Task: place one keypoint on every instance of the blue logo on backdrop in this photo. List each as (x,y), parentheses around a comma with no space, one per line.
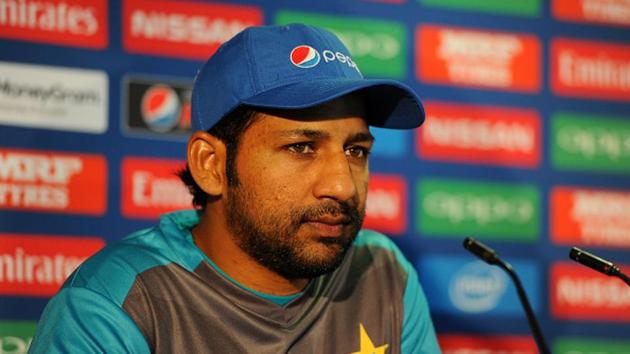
(389,142)
(474,287)
(156,106)
(160,108)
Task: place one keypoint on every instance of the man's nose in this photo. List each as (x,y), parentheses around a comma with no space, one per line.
(335,179)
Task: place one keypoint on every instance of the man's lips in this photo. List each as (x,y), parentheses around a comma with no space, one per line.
(330,220)
(328,226)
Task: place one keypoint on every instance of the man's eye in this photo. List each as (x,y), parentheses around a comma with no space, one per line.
(357,152)
(301,148)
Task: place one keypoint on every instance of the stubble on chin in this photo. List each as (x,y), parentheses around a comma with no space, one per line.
(276,239)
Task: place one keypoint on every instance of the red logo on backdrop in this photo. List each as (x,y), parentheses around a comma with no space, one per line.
(51,181)
(480,134)
(467,57)
(584,294)
(590,69)
(386,204)
(150,187)
(34,265)
(191,30)
(77,23)
(616,12)
(452,344)
(590,217)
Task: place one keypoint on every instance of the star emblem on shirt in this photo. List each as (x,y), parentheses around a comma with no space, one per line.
(367,347)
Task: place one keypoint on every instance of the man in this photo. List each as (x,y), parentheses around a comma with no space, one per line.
(273,259)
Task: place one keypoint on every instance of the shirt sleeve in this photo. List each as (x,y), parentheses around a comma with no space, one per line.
(418,334)
(79,320)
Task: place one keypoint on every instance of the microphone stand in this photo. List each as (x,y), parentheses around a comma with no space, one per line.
(625,278)
(531,317)
(490,256)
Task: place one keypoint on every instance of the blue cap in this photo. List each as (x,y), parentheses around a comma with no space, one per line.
(292,67)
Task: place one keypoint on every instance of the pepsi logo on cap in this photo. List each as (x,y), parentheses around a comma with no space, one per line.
(304,56)
(160,108)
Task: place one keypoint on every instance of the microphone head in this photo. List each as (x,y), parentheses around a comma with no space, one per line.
(575,254)
(480,250)
(468,241)
(592,261)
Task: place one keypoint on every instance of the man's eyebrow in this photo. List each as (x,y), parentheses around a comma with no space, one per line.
(322,135)
(360,138)
(307,133)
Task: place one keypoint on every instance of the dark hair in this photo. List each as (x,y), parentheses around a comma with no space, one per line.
(229,130)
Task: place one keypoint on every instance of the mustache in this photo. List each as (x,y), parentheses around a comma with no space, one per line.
(351,215)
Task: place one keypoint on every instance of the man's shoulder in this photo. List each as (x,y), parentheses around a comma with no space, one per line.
(113,270)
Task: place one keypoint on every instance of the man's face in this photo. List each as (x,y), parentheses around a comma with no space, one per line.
(301,187)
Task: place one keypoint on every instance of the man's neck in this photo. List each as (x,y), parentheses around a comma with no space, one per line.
(215,240)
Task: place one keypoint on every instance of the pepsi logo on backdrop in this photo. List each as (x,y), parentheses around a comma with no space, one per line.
(304,56)
(160,108)
(156,106)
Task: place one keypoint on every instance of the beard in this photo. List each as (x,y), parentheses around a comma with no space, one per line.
(271,236)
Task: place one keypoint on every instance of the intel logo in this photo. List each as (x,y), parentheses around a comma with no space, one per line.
(477,287)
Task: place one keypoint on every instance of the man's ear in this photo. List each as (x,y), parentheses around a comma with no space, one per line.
(206,157)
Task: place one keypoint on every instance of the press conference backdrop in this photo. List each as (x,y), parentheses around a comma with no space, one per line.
(526,147)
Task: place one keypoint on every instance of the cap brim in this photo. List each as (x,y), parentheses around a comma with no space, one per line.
(389,104)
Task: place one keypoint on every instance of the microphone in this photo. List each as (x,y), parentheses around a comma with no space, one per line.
(482,251)
(599,264)
(489,256)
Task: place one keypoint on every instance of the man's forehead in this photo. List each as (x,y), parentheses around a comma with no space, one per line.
(327,127)
(321,134)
